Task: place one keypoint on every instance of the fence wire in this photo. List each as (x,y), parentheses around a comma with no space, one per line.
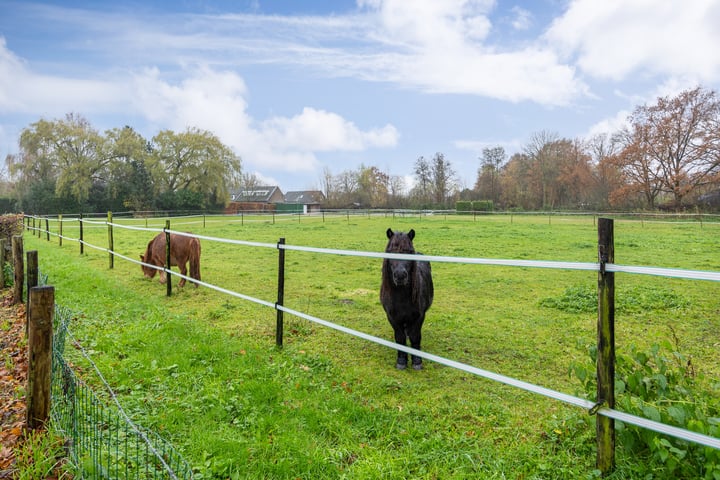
(102,442)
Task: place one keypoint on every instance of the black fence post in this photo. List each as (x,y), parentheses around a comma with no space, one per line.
(168,277)
(281,294)
(82,243)
(605,426)
(47,229)
(111,243)
(60,232)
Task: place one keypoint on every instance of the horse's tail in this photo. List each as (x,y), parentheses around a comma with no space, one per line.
(195,259)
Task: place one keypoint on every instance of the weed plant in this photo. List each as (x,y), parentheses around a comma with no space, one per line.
(201,368)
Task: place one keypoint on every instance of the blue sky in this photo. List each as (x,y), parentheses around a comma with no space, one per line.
(296,87)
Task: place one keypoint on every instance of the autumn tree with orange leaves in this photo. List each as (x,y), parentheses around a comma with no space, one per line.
(672,148)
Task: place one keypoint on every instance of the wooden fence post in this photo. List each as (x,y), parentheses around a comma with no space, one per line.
(60,232)
(47,228)
(19,267)
(32,281)
(168,277)
(39,355)
(111,245)
(2,262)
(605,426)
(281,294)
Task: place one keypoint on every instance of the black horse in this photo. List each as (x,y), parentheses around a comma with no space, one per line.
(406,293)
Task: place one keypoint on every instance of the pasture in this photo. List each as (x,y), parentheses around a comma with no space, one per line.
(201,368)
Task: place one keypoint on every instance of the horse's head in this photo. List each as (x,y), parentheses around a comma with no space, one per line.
(400,270)
(147,271)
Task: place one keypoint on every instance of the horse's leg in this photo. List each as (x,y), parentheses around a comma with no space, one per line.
(401,338)
(414,332)
(183,269)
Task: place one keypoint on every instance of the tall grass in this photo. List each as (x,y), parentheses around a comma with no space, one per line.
(201,367)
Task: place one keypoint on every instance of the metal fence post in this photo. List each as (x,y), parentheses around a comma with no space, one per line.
(281,294)
(605,426)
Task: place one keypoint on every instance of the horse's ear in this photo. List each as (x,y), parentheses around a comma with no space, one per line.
(389,233)
(411,234)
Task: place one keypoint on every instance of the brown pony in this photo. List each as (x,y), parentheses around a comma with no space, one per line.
(406,292)
(182,250)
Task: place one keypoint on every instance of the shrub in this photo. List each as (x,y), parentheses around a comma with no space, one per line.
(483,206)
(463,206)
(662,385)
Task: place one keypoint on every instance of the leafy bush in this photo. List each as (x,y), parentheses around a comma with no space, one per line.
(463,206)
(483,206)
(662,385)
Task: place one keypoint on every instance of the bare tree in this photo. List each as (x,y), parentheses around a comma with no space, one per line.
(444,179)
(488,179)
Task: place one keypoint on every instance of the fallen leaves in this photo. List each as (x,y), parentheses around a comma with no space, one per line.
(13,379)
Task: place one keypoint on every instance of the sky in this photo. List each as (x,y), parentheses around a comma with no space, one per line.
(297,88)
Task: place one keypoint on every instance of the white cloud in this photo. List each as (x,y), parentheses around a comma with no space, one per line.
(318,130)
(523,18)
(438,47)
(610,125)
(614,39)
(23,91)
(203,97)
(215,101)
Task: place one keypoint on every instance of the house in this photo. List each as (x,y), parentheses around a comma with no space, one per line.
(255,199)
(310,200)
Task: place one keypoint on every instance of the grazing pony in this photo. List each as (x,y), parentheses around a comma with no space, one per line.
(182,250)
(406,293)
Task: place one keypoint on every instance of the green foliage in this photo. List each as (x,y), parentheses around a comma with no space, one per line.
(41,455)
(633,299)
(68,166)
(180,200)
(9,274)
(483,206)
(662,384)
(463,206)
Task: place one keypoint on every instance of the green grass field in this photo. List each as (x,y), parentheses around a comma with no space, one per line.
(201,367)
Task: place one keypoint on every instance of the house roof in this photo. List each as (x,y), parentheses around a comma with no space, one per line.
(256,194)
(305,197)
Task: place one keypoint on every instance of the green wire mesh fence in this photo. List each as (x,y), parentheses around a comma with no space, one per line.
(102,441)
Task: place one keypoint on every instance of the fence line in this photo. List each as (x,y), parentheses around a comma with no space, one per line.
(546,392)
(116,451)
(599,267)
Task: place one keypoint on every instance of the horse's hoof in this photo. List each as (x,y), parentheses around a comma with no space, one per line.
(401,366)
(417,366)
